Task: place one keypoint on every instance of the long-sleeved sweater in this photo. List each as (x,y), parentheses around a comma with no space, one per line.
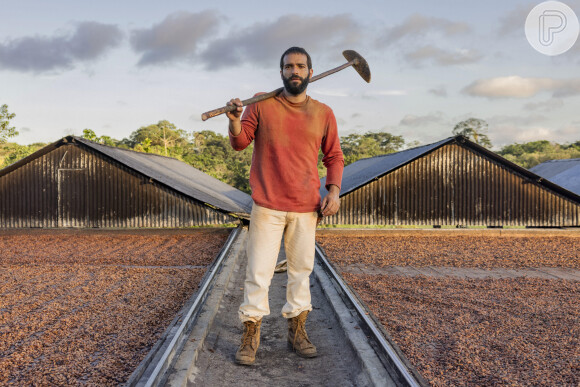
(287,137)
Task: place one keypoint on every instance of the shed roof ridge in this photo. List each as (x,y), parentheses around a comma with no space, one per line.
(85,141)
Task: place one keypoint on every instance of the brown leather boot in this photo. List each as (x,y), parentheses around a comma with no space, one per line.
(246,354)
(298,338)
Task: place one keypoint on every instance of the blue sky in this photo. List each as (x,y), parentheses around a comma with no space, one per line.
(116,66)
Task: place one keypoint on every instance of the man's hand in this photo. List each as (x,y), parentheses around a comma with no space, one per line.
(234,116)
(331,202)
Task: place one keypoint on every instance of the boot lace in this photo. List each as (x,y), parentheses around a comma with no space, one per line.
(249,333)
(300,330)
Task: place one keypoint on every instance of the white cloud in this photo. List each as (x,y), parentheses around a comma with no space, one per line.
(504,130)
(421,121)
(520,87)
(330,92)
(545,106)
(418,25)
(442,57)
(385,93)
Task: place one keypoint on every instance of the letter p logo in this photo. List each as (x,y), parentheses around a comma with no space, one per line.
(552,28)
(552,22)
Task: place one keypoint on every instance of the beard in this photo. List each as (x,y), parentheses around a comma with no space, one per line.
(295,89)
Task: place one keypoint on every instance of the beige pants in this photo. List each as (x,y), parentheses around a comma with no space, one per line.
(266,230)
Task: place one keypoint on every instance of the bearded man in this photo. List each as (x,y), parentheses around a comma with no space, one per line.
(288,131)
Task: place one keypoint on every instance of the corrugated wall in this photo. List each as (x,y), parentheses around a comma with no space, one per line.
(76,187)
(455,186)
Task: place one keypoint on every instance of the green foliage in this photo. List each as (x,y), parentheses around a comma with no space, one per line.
(359,146)
(533,153)
(90,135)
(162,138)
(212,153)
(474,129)
(10,152)
(6,131)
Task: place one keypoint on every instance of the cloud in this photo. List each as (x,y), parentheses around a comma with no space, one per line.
(439,91)
(513,22)
(531,120)
(262,43)
(508,134)
(520,87)
(442,57)
(545,106)
(421,121)
(331,92)
(89,41)
(507,129)
(418,26)
(176,38)
(421,38)
(384,93)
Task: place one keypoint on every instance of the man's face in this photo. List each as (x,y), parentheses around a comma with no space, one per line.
(295,73)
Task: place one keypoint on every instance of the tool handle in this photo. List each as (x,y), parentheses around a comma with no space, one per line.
(246,102)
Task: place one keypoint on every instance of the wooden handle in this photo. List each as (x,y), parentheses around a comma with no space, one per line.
(354,62)
(246,102)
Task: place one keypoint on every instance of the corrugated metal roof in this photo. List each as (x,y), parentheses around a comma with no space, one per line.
(365,171)
(168,171)
(565,173)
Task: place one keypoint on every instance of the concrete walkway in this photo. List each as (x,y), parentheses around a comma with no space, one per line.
(467,272)
(208,357)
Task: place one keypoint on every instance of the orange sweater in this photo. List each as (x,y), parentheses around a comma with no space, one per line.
(287,137)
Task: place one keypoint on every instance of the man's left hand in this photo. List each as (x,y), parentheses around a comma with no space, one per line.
(331,202)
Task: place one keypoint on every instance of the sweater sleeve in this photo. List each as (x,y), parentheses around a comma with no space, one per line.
(333,159)
(249,126)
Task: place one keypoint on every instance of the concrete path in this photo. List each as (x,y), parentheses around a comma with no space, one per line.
(208,358)
(467,272)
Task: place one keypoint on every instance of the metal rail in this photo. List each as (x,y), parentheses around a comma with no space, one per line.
(164,362)
(170,352)
(377,335)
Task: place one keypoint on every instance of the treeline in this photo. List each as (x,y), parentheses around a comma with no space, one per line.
(212,153)
(533,153)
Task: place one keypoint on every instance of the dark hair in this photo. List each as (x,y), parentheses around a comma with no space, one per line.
(295,50)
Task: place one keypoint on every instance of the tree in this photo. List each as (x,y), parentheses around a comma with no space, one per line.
(164,136)
(357,146)
(12,152)
(212,153)
(6,131)
(90,135)
(474,129)
(533,153)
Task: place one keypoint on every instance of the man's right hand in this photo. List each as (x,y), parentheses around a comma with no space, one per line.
(235,126)
(235,114)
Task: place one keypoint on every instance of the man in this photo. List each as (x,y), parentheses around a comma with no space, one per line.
(288,130)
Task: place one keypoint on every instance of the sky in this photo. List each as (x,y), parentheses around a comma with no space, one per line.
(116,66)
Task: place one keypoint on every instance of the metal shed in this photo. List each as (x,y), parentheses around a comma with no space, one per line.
(451,182)
(78,183)
(565,173)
